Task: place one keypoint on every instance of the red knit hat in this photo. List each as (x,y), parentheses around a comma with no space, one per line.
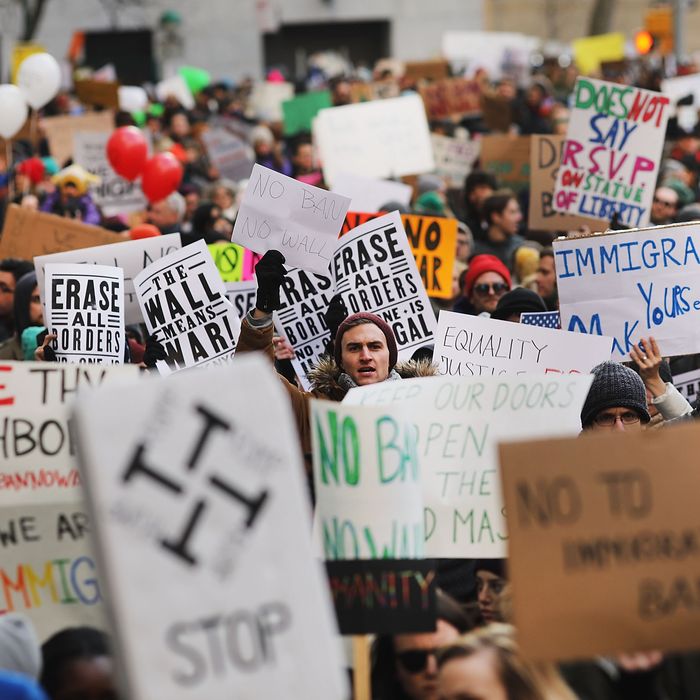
(383,326)
(480,264)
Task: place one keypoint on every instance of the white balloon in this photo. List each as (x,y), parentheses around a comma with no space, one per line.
(13,110)
(132,98)
(39,78)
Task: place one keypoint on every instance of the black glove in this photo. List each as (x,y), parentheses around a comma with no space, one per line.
(335,314)
(154,351)
(269,272)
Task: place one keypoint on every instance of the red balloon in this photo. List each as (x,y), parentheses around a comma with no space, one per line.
(161,176)
(127,152)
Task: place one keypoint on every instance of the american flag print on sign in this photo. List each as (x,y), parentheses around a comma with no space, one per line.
(543,319)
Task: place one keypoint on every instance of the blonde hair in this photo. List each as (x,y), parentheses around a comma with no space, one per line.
(522,679)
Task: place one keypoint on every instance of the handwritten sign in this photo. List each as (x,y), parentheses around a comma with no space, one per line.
(374,270)
(47,566)
(508,158)
(203,507)
(85,309)
(184,304)
(131,256)
(229,259)
(604,529)
(383,596)
(459,423)
(454,158)
(369,502)
(545,156)
(471,346)
(60,131)
(632,284)
(432,240)
(228,153)
(383,138)
(242,296)
(451,97)
(27,234)
(301,318)
(299,220)
(610,159)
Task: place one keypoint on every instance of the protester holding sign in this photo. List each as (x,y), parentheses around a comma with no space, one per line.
(28,315)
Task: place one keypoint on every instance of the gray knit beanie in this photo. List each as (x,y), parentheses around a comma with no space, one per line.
(19,646)
(614,385)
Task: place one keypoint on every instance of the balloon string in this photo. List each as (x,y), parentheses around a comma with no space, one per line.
(10,174)
(33,128)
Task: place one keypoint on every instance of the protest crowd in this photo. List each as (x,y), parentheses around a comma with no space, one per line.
(381,384)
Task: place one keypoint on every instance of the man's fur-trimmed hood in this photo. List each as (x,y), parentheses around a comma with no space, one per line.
(324,376)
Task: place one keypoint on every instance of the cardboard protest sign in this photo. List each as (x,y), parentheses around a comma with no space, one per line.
(205,508)
(60,131)
(374,270)
(242,296)
(632,284)
(300,111)
(229,260)
(367,479)
(301,318)
(382,139)
(85,309)
(369,193)
(229,154)
(184,304)
(497,112)
(591,51)
(472,346)
(427,70)
(27,234)
(47,567)
(266,100)
(610,159)
(451,97)
(454,158)
(98,93)
(508,158)
(545,156)
(604,529)
(688,383)
(131,256)
(114,195)
(459,423)
(383,596)
(280,213)
(432,240)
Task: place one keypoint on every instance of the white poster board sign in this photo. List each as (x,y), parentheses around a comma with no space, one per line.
(85,309)
(46,557)
(472,346)
(633,284)
(380,139)
(205,508)
(301,318)
(370,194)
(612,152)
(301,221)
(131,256)
(367,479)
(230,155)
(454,158)
(459,424)
(266,100)
(114,195)
(184,304)
(242,296)
(375,271)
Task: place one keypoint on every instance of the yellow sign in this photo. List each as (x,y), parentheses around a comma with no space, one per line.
(591,51)
(228,258)
(20,52)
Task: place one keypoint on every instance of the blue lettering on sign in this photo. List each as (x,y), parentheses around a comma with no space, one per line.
(577,325)
(674,303)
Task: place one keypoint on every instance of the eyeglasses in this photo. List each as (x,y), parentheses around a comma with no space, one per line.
(664,202)
(607,420)
(4,289)
(415,660)
(498,288)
